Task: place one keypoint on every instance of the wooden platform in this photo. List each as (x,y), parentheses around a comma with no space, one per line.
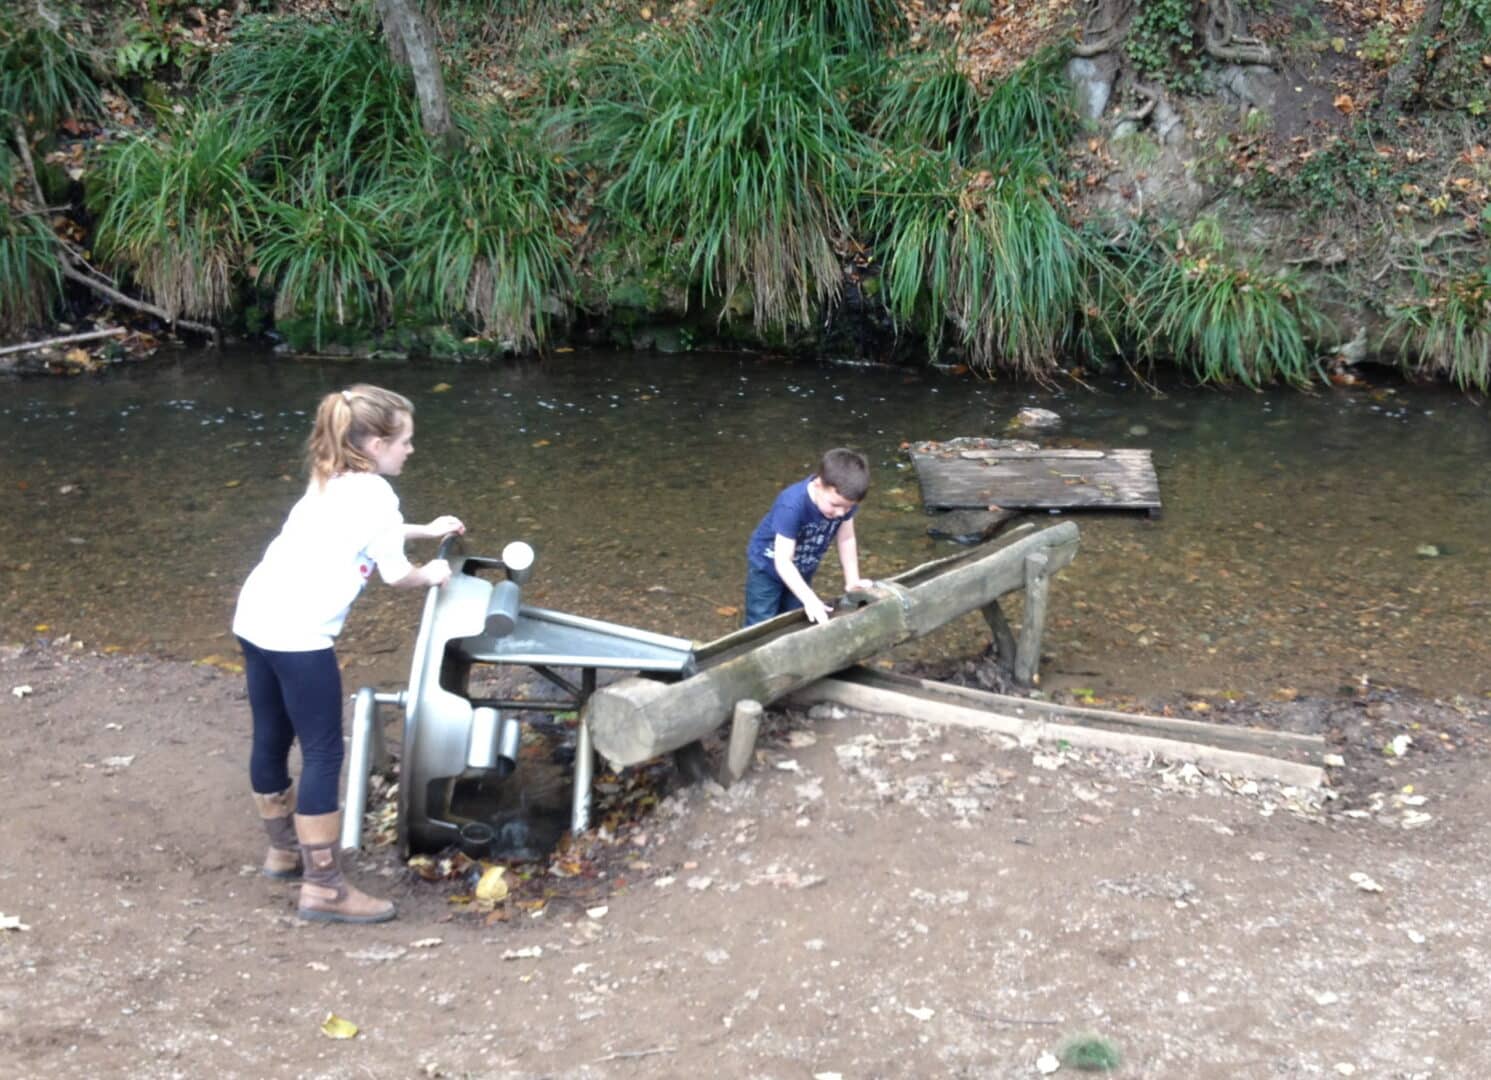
(975,473)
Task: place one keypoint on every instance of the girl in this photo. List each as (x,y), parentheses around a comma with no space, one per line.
(290,611)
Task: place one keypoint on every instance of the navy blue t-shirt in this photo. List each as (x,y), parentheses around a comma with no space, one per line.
(793,514)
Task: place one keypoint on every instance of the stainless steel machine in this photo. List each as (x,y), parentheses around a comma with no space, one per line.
(478,618)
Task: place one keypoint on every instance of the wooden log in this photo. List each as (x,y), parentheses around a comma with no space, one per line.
(864,697)
(635,719)
(745,725)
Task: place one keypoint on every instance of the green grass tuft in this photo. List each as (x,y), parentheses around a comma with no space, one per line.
(1224,321)
(178,209)
(43,76)
(985,254)
(328,90)
(486,242)
(30,274)
(1446,328)
(732,146)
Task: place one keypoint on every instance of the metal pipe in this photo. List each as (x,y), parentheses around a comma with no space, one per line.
(367,746)
(579,811)
(481,749)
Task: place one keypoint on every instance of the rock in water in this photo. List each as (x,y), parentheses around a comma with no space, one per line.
(1036,418)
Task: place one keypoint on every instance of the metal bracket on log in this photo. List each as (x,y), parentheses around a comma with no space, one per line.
(633,720)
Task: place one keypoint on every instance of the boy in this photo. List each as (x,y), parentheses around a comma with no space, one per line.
(792,538)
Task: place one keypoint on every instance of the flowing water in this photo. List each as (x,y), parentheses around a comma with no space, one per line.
(1307,541)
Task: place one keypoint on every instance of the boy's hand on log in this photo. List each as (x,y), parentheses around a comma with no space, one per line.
(817,611)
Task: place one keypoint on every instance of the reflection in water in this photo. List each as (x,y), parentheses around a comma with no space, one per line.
(1307,540)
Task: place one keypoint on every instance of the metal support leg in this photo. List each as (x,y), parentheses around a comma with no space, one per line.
(367,752)
(579,814)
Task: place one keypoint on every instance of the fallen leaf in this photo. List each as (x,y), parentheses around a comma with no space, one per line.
(491,888)
(334,1027)
(440,388)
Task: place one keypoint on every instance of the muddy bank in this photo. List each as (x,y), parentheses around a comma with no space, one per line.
(876,899)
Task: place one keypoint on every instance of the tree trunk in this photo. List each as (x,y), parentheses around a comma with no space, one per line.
(1402,81)
(412,42)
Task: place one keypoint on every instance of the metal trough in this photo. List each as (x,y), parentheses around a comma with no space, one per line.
(478,618)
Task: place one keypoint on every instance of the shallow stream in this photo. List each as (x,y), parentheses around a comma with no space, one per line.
(1308,541)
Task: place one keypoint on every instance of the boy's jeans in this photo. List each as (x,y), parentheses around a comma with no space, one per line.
(766,596)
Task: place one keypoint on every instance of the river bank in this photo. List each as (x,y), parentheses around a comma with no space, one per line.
(874,900)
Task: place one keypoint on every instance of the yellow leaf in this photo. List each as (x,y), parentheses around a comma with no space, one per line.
(232,483)
(334,1027)
(440,388)
(727,610)
(541,442)
(491,888)
(42,628)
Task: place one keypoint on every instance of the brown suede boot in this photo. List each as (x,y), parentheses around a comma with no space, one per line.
(325,895)
(282,862)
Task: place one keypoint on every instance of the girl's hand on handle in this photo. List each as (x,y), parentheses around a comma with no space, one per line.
(444,525)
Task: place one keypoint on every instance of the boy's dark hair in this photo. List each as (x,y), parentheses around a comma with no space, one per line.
(847,472)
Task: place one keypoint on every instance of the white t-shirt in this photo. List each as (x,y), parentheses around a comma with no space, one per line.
(297,598)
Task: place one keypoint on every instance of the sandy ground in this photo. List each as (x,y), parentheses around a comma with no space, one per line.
(876,899)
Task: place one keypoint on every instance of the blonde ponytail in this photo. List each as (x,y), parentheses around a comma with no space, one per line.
(345,421)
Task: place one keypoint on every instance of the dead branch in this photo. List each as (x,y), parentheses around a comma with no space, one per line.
(75,268)
(67,339)
(1225,41)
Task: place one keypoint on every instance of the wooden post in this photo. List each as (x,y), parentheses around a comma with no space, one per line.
(745,724)
(635,719)
(1028,649)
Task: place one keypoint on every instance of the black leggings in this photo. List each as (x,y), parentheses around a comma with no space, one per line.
(296,695)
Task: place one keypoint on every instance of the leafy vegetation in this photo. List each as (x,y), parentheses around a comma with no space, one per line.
(324,92)
(732,143)
(987,254)
(43,77)
(178,208)
(1162,44)
(30,275)
(1221,319)
(855,25)
(486,242)
(1446,328)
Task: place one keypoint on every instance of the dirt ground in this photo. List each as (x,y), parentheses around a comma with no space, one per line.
(875,899)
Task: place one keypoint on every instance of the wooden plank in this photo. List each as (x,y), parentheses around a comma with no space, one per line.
(1017,478)
(1282,744)
(1031,729)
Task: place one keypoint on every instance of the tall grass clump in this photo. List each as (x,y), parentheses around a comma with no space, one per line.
(179,208)
(731,145)
(927,99)
(1446,328)
(1224,321)
(835,25)
(43,76)
(486,243)
(30,274)
(985,254)
(331,88)
(330,255)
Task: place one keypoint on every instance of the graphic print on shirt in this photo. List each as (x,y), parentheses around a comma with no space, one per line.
(812,542)
(365,565)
